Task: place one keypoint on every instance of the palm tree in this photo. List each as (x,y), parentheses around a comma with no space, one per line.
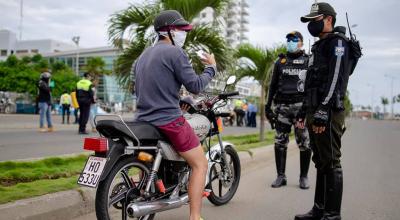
(96,67)
(258,63)
(137,23)
(384,101)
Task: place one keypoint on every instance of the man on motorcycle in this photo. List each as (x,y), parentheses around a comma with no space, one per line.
(159,73)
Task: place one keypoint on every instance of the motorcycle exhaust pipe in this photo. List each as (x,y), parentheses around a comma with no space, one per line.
(139,209)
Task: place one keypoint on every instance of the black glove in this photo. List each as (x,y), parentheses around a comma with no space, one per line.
(271,116)
(321,117)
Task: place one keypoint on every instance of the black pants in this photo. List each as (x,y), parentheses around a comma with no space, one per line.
(252,119)
(65,110)
(239,116)
(84,109)
(326,146)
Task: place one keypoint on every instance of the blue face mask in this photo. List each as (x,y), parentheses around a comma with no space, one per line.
(292,46)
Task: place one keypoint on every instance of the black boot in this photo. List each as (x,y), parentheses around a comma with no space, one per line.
(305,157)
(334,191)
(280,160)
(317,211)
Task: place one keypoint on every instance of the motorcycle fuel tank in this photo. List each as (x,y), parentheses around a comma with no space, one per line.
(200,124)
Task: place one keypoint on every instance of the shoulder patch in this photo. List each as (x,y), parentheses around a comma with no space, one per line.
(283,60)
(298,61)
(339,51)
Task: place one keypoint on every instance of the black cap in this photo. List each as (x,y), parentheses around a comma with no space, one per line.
(295,34)
(171,18)
(318,9)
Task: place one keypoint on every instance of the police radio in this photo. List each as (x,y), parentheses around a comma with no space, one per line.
(355,48)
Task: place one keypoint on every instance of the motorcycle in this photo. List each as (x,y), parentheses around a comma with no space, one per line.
(6,105)
(138,173)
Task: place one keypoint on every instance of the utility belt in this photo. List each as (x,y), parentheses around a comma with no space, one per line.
(314,98)
(288,99)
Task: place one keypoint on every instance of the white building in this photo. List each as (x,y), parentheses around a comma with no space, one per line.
(10,45)
(233,22)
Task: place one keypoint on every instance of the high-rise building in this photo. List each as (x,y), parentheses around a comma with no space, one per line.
(233,22)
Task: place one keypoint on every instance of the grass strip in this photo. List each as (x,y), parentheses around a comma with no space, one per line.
(36,188)
(13,172)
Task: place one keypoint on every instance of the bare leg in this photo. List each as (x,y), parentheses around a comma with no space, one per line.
(198,162)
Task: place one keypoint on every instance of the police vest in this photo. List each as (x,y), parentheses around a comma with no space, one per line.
(83,93)
(318,71)
(292,75)
(66,99)
(83,84)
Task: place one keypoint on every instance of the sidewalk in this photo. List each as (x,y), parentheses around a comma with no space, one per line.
(74,203)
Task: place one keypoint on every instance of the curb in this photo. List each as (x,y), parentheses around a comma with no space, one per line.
(74,203)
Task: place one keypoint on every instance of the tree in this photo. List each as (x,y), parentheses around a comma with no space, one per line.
(384,101)
(258,63)
(22,76)
(137,21)
(96,67)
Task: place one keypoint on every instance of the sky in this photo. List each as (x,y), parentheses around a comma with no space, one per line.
(270,20)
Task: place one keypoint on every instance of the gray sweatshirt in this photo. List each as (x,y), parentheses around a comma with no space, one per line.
(159,74)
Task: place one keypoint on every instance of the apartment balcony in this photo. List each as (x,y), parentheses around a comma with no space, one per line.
(245,11)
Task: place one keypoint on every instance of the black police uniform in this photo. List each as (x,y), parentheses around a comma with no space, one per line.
(287,92)
(84,94)
(326,86)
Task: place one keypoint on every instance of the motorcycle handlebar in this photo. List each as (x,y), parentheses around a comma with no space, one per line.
(223,114)
(226,95)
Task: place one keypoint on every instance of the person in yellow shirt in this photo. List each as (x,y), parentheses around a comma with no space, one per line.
(65,103)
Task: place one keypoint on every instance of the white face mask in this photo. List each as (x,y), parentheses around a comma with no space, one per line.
(179,38)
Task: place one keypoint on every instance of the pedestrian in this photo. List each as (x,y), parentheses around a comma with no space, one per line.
(160,72)
(65,103)
(239,112)
(326,86)
(44,101)
(252,112)
(93,110)
(75,106)
(286,91)
(84,95)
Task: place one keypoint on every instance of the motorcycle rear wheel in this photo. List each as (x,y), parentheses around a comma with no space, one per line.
(116,186)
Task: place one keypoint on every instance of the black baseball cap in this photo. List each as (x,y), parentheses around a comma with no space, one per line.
(295,34)
(318,9)
(171,19)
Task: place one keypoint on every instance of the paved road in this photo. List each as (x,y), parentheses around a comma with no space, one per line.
(371,163)
(20,139)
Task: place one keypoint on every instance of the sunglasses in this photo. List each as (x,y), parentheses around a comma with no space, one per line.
(293,39)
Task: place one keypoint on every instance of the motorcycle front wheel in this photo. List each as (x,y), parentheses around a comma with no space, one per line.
(128,176)
(223,184)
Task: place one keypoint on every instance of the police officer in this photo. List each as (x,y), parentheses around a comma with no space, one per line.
(326,85)
(84,95)
(287,92)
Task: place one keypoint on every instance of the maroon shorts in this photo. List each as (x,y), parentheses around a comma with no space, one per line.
(180,134)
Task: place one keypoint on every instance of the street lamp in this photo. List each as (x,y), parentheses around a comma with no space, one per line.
(372,95)
(76,39)
(391,94)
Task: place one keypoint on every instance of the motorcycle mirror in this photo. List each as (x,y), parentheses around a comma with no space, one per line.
(231,80)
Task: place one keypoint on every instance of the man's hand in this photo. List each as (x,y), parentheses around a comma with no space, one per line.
(320,121)
(300,119)
(300,123)
(271,116)
(208,59)
(185,108)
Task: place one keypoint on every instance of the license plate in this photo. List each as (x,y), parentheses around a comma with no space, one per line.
(90,175)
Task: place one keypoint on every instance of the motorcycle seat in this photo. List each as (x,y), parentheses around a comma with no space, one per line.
(143,131)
